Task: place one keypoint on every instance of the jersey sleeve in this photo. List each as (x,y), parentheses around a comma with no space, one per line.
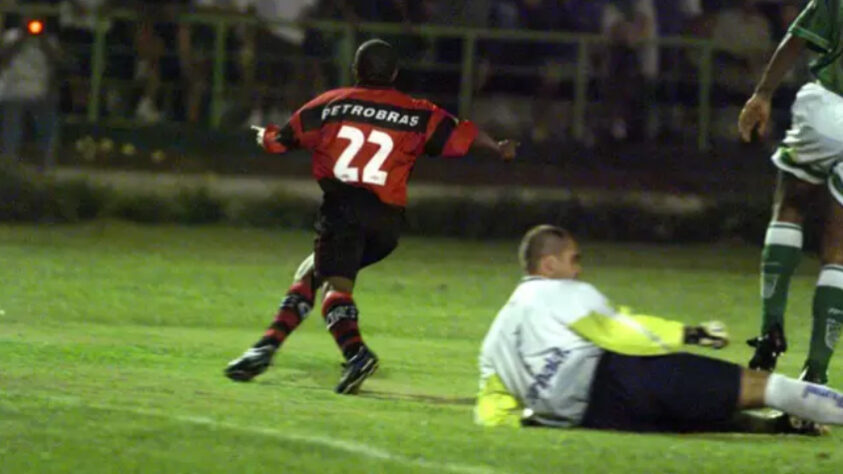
(625,333)
(303,128)
(448,136)
(305,125)
(284,141)
(816,25)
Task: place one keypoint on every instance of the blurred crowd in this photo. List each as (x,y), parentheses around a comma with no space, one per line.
(645,91)
(159,64)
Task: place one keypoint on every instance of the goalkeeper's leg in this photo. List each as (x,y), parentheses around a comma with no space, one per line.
(805,400)
(687,392)
(295,307)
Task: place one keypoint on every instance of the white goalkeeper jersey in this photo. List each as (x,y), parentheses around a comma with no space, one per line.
(542,350)
(544,364)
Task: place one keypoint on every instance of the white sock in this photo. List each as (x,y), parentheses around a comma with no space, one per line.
(784,233)
(806,400)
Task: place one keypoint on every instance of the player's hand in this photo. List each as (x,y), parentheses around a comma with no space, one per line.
(711,334)
(267,137)
(508,149)
(755,114)
(260,132)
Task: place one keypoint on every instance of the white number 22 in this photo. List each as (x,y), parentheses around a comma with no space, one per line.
(372,173)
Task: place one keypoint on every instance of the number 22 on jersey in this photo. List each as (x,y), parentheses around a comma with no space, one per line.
(372,172)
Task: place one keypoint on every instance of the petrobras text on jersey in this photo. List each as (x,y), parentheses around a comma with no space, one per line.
(376,113)
(383,115)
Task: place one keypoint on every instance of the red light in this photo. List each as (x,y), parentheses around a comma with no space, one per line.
(35,27)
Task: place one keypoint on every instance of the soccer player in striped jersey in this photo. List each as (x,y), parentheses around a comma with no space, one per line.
(810,162)
(558,354)
(364,142)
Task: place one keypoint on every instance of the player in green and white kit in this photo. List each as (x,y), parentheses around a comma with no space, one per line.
(810,157)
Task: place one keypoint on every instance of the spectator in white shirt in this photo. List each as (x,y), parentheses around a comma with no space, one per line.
(29,61)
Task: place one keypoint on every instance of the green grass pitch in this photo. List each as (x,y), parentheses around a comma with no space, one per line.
(113,338)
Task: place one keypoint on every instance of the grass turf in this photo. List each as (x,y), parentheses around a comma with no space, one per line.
(113,338)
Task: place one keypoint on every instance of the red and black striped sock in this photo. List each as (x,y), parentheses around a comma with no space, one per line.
(340,315)
(294,309)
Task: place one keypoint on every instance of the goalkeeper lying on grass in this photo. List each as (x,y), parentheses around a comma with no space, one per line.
(559,355)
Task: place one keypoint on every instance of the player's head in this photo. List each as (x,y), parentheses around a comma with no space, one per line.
(375,63)
(551,252)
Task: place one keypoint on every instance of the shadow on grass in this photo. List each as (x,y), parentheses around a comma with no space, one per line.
(321,376)
(416,397)
(373,394)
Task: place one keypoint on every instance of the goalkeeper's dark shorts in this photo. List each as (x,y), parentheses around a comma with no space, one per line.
(354,229)
(677,393)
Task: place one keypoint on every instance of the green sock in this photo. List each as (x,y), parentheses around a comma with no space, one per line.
(782,251)
(828,321)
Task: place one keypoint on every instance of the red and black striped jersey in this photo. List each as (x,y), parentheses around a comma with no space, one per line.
(371,137)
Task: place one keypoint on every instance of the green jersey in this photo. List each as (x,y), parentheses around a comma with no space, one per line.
(820,24)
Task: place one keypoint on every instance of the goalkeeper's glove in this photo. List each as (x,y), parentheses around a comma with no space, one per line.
(711,334)
(267,138)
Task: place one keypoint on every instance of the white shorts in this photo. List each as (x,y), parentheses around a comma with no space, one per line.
(812,149)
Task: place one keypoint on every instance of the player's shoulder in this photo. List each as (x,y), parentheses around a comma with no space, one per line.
(396,97)
(563,298)
(425,104)
(572,292)
(553,287)
(328,96)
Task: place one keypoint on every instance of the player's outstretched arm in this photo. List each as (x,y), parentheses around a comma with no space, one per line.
(483,143)
(645,335)
(272,138)
(756,111)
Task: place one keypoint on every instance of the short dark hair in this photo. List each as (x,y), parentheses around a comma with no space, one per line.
(375,63)
(539,241)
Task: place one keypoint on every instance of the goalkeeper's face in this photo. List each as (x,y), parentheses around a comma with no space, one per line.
(564,264)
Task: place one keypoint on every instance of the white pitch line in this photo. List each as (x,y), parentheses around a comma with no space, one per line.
(339,444)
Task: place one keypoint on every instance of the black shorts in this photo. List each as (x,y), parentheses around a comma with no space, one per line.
(354,229)
(677,393)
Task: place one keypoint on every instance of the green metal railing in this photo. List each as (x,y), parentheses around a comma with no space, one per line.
(222,24)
